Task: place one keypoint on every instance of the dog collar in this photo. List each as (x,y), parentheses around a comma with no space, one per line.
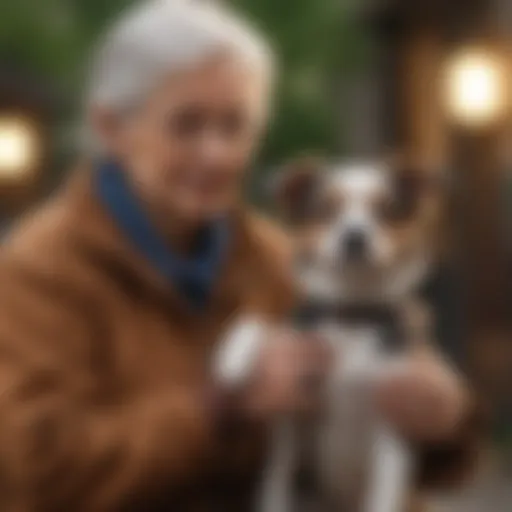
(384,318)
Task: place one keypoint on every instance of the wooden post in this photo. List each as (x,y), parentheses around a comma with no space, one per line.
(482,240)
(424,124)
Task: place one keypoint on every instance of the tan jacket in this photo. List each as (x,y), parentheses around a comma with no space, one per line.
(104,370)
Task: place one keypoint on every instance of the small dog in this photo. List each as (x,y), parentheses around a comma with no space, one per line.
(365,237)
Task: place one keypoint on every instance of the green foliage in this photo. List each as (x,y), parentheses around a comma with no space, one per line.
(315,41)
(39,35)
(53,37)
(316,46)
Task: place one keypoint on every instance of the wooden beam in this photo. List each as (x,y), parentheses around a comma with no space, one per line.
(424,127)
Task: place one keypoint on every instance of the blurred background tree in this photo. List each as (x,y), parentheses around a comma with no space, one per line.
(316,42)
(317,45)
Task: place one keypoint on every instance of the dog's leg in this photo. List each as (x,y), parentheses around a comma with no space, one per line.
(392,461)
(232,366)
(277,494)
(391,466)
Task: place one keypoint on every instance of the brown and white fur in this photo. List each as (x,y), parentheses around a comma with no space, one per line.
(365,236)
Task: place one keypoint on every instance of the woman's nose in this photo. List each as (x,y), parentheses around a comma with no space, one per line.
(214,148)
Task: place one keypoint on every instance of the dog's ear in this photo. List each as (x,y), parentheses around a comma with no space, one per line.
(294,188)
(414,176)
(413,181)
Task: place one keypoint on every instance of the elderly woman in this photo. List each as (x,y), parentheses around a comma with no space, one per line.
(114,293)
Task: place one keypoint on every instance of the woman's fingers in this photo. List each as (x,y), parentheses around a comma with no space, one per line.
(425,400)
(291,373)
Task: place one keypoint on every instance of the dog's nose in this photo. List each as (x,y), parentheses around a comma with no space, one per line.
(355,244)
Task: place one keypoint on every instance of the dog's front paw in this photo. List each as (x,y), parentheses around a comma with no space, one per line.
(238,352)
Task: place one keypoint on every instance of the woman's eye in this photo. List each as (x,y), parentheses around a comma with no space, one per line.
(188,122)
(233,124)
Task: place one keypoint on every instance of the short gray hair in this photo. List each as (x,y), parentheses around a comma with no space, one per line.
(158,37)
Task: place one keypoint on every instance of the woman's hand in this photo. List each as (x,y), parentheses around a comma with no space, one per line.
(288,376)
(425,400)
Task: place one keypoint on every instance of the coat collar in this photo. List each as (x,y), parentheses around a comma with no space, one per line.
(101,239)
(193,276)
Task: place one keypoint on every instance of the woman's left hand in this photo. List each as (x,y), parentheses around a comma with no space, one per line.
(425,399)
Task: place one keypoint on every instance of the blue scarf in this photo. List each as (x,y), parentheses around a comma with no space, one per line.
(193,276)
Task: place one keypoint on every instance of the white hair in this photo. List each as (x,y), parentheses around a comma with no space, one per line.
(159,37)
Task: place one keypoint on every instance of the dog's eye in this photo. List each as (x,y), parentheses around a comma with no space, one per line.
(401,205)
(324,209)
(397,208)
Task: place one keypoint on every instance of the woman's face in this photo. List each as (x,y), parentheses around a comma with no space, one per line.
(188,146)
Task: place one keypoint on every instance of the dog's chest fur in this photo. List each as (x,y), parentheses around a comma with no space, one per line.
(335,449)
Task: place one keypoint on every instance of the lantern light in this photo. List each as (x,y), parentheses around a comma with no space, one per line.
(475,86)
(19,148)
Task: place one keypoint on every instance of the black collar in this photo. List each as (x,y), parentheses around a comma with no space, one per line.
(313,312)
(382,317)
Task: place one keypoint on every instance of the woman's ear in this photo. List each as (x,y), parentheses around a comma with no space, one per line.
(106,126)
(294,187)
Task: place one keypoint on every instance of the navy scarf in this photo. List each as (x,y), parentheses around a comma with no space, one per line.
(193,276)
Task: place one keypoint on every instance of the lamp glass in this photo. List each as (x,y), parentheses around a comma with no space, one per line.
(18,148)
(475,88)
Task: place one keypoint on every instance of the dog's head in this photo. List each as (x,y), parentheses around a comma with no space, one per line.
(363,230)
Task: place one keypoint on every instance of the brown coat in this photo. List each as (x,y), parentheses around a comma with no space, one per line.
(103,369)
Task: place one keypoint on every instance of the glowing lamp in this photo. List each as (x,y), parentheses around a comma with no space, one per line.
(476,88)
(19,149)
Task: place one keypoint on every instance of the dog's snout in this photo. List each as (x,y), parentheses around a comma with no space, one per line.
(355,244)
